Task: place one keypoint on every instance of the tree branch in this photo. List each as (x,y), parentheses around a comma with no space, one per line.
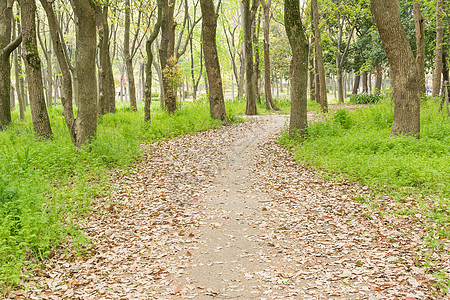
(12,46)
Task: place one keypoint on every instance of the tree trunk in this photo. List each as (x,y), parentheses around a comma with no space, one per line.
(319,59)
(256,71)
(356,84)
(166,51)
(5,67)
(267,86)
(419,23)
(364,82)
(41,121)
(312,92)
(404,73)
(378,79)
(109,88)
(19,91)
(241,80)
(67,96)
(148,66)
(86,122)
(298,67)
(128,58)
(250,108)
(340,84)
(439,43)
(445,75)
(107,97)
(209,27)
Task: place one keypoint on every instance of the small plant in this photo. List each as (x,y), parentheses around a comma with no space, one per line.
(173,74)
(342,117)
(365,98)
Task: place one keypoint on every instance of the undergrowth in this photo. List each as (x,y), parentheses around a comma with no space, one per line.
(44,185)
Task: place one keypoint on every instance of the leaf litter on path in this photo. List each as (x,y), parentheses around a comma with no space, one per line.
(232,204)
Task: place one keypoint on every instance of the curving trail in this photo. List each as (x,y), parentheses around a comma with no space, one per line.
(227,214)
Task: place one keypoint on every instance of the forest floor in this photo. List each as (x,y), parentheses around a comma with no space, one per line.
(228,213)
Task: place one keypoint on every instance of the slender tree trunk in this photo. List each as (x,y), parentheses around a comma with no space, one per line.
(378,79)
(439,43)
(241,80)
(17,72)
(319,59)
(41,121)
(250,108)
(404,73)
(86,122)
(267,86)
(5,67)
(49,77)
(107,97)
(128,58)
(419,23)
(340,85)
(364,82)
(444,72)
(109,90)
(255,36)
(312,92)
(298,67)
(148,66)
(67,96)
(356,84)
(166,51)
(316,81)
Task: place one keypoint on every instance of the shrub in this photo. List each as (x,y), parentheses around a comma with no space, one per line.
(365,98)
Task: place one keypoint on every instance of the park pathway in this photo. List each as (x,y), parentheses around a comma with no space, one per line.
(226,214)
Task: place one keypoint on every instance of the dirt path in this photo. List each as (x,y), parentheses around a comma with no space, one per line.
(227,213)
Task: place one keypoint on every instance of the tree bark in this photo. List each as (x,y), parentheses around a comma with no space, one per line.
(109,88)
(445,72)
(209,27)
(322,87)
(17,72)
(439,43)
(86,122)
(250,108)
(419,23)
(312,92)
(67,96)
(39,115)
(255,36)
(364,82)
(267,84)
(6,47)
(378,79)
(148,66)
(356,84)
(128,58)
(404,73)
(166,51)
(298,68)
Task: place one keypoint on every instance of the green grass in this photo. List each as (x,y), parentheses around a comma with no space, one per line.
(357,144)
(44,185)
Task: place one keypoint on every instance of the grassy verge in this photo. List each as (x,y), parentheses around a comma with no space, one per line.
(356,144)
(44,185)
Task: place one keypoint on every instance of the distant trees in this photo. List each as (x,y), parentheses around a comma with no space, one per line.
(231,50)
